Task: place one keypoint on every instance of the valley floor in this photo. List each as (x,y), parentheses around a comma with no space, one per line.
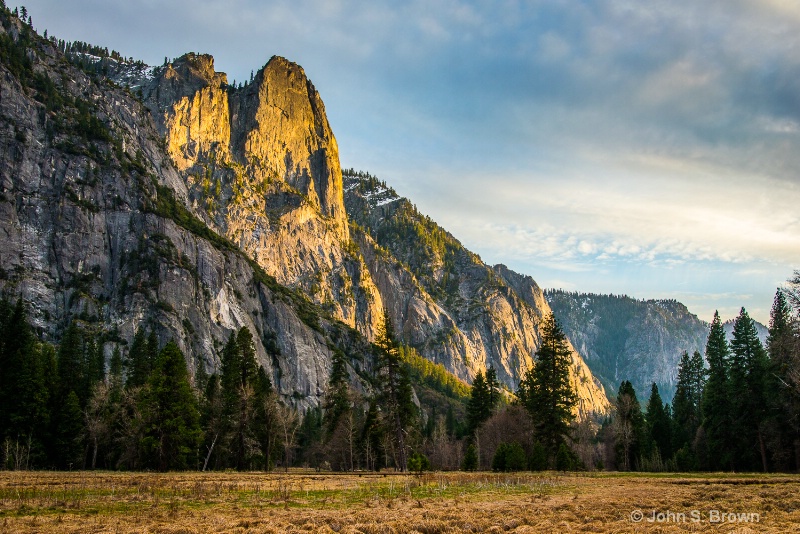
(377,503)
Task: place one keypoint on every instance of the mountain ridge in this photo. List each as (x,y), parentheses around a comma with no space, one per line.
(623,338)
(198,208)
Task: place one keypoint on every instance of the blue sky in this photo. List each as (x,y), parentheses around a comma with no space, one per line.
(641,148)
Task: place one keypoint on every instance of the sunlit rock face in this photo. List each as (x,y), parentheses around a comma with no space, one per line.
(262,164)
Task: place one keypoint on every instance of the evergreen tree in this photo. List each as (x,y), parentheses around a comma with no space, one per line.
(70,398)
(395,391)
(212,421)
(140,358)
(785,403)
(479,407)
(68,434)
(470,461)
(23,392)
(452,426)
(509,457)
(629,426)
(309,440)
(116,365)
(538,460)
(337,398)
(266,419)
(686,405)
(171,430)
(659,424)
(493,385)
(546,390)
(748,399)
(339,420)
(237,378)
(72,365)
(372,438)
(565,459)
(95,363)
(716,398)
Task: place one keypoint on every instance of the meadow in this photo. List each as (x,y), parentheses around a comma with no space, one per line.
(114,502)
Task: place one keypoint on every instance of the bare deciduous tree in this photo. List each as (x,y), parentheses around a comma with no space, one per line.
(288,423)
(97,418)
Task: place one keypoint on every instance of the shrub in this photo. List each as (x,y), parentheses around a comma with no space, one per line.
(509,457)
(470,461)
(418,462)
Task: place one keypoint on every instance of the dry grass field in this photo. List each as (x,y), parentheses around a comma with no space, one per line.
(373,503)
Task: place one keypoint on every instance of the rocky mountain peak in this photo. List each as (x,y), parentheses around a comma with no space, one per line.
(198,67)
(272,129)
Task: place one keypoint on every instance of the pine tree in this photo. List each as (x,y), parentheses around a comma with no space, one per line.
(748,399)
(23,392)
(479,406)
(686,405)
(171,431)
(470,461)
(212,420)
(68,434)
(309,440)
(493,385)
(716,398)
(785,403)
(629,425)
(72,365)
(395,391)
(237,378)
(266,418)
(372,438)
(338,419)
(659,424)
(116,365)
(139,361)
(546,390)
(538,460)
(337,399)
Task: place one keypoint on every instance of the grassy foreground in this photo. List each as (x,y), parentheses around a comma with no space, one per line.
(376,503)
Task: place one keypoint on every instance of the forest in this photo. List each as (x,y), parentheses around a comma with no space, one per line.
(70,407)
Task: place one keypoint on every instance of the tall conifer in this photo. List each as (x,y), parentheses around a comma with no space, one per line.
(395,390)
(546,390)
(171,430)
(748,400)
(716,397)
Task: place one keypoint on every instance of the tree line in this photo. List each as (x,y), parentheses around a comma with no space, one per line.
(737,409)
(66,407)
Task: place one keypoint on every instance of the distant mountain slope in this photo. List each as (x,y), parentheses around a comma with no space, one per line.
(627,339)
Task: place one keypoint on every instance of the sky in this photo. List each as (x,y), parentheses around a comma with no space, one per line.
(611,146)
